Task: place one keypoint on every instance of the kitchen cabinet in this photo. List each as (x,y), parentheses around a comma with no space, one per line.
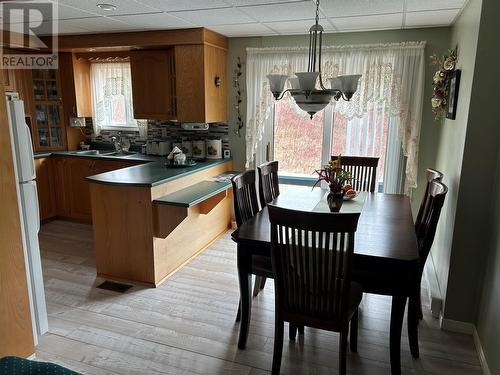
(61,186)
(71,190)
(48,126)
(201,85)
(45,187)
(153,84)
(8,79)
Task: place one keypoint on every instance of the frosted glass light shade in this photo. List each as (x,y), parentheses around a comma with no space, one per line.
(277,83)
(349,84)
(335,83)
(307,80)
(294,83)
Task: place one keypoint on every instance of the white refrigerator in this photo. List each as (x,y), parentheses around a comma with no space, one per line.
(22,151)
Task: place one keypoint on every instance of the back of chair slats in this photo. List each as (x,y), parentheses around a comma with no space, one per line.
(363,170)
(311,254)
(268,182)
(245,196)
(430,216)
(431,174)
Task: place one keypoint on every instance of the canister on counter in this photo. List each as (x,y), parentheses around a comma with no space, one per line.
(214,149)
(177,143)
(187,147)
(199,149)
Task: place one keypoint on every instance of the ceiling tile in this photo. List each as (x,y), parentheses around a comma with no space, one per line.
(343,8)
(240,3)
(298,27)
(176,5)
(122,7)
(67,12)
(281,12)
(156,21)
(210,17)
(419,5)
(246,29)
(431,18)
(382,21)
(99,24)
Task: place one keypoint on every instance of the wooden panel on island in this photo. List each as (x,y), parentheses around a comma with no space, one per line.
(126,219)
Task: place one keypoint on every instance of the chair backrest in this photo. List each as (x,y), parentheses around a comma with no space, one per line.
(311,254)
(269,187)
(363,171)
(430,217)
(245,196)
(431,175)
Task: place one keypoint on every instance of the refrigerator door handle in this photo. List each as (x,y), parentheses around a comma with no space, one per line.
(31,154)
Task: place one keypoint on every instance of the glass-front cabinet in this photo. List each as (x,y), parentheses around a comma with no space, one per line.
(48,130)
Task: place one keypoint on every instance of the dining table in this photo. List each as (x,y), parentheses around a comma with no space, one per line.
(385,260)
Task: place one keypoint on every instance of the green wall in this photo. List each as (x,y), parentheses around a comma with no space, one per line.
(438,41)
(451,139)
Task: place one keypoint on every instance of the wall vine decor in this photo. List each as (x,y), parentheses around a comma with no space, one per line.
(236,79)
(445,85)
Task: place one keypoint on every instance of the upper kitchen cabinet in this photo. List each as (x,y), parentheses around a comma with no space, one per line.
(49,132)
(153,84)
(75,85)
(201,85)
(8,79)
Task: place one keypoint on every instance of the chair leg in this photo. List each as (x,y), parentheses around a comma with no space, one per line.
(420,313)
(353,340)
(343,350)
(238,314)
(292,331)
(300,329)
(413,326)
(278,345)
(256,286)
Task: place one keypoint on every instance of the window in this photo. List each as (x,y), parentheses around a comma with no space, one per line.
(112,97)
(302,145)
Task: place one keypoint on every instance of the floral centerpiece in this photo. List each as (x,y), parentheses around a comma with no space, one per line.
(446,65)
(336,177)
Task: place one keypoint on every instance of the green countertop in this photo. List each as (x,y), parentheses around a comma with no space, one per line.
(150,173)
(194,194)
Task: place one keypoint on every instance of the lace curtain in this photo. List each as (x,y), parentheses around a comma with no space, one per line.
(112,97)
(393,78)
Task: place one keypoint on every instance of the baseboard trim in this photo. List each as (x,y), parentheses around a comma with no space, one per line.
(480,353)
(468,329)
(457,326)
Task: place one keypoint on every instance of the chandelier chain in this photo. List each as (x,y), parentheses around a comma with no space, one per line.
(317,12)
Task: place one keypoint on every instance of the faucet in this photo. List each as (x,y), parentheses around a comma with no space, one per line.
(117,142)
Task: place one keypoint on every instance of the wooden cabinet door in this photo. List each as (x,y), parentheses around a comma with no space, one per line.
(45,187)
(153,75)
(61,186)
(80,207)
(9,81)
(215,96)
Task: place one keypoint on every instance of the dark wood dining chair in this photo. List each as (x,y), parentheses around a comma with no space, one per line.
(431,210)
(363,171)
(269,189)
(311,255)
(431,175)
(245,207)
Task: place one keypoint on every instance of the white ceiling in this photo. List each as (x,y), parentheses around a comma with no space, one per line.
(254,17)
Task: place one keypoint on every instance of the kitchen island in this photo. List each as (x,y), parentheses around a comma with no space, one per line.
(143,232)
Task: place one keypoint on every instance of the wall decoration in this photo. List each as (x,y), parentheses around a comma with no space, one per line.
(445,82)
(453,84)
(236,80)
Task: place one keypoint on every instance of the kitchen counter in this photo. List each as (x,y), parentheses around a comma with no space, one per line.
(151,172)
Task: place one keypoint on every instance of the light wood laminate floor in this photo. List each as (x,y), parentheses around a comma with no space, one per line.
(187,325)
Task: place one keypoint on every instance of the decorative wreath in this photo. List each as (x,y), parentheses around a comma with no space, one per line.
(446,65)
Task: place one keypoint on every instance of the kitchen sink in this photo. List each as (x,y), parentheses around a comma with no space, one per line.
(88,152)
(120,153)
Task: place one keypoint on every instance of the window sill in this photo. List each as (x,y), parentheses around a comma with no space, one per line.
(297,180)
(120,128)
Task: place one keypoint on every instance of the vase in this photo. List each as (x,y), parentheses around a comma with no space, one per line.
(335,200)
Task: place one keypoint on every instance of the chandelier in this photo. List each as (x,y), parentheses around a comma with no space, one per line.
(304,89)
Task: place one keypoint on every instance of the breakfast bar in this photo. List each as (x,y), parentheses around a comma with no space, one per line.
(149,220)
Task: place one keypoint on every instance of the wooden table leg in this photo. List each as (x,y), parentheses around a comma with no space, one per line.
(397,315)
(413,309)
(245,279)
